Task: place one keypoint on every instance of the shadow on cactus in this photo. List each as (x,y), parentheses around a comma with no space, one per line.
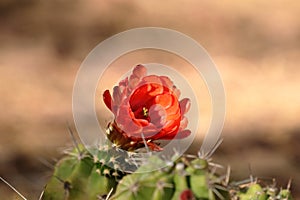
(147,108)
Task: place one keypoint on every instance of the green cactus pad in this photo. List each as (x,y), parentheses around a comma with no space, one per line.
(81,176)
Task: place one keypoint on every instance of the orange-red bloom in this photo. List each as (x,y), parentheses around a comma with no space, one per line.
(146,108)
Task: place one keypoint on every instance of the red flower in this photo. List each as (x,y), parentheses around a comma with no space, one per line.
(146,108)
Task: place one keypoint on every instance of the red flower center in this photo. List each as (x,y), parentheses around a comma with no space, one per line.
(156,104)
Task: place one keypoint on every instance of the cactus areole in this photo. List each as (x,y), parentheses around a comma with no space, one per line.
(146,108)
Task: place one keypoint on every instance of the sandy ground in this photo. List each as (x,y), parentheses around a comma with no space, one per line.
(255,45)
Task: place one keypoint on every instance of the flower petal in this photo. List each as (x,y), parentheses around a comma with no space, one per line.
(132,130)
(107,99)
(150,131)
(143,95)
(139,71)
(151,79)
(169,130)
(182,134)
(141,122)
(126,123)
(166,82)
(169,102)
(154,147)
(133,82)
(176,92)
(164,100)
(117,95)
(185,105)
(123,84)
(176,135)
(183,123)
(157,115)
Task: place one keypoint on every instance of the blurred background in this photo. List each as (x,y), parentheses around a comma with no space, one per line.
(255,44)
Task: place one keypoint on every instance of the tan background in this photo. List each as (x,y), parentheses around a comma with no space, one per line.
(255,44)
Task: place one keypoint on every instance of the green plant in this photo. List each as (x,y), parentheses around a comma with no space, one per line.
(83,175)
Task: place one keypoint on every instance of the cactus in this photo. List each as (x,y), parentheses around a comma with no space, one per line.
(191,178)
(254,191)
(83,175)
